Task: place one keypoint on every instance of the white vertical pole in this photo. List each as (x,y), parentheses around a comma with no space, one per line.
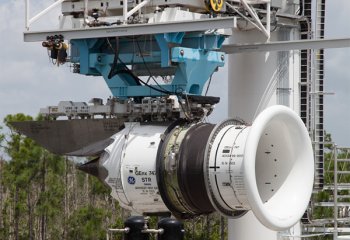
(335,193)
(247,97)
(246,90)
(27,14)
(268,20)
(125,11)
(86,10)
(248,227)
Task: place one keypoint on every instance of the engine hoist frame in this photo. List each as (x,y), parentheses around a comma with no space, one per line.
(190,58)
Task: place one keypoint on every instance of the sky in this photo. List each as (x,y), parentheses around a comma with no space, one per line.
(337,74)
(29,81)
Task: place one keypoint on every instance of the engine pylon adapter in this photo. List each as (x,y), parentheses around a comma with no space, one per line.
(190,169)
(267,168)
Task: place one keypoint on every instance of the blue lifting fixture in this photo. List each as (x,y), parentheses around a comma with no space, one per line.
(130,64)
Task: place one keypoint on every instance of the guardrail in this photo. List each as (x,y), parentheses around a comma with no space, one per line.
(30,20)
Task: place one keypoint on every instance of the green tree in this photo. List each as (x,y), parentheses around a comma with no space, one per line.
(17,174)
(87,223)
(34,180)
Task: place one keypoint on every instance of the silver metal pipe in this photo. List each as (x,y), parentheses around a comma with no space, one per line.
(153,231)
(136,8)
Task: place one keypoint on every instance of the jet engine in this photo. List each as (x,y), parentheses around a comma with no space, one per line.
(190,169)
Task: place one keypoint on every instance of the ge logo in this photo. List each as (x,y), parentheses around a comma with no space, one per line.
(131,180)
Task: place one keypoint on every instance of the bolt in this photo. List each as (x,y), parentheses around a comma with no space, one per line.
(182,52)
(222,57)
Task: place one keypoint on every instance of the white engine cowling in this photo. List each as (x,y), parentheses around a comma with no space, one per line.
(267,167)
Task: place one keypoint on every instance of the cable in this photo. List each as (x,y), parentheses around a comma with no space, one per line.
(116,57)
(126,70)
(183,109)
(156,89)
(110,45)
(149,71)
(206,92)
(113,71)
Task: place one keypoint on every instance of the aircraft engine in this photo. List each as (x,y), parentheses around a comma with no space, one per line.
(190,169)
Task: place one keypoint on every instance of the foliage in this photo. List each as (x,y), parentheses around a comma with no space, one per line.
(87,223)
(2,136)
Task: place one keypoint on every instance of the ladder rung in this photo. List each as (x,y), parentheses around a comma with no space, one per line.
(343,172)
(340,187)
(343,160)
(331,204)
(343,196)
